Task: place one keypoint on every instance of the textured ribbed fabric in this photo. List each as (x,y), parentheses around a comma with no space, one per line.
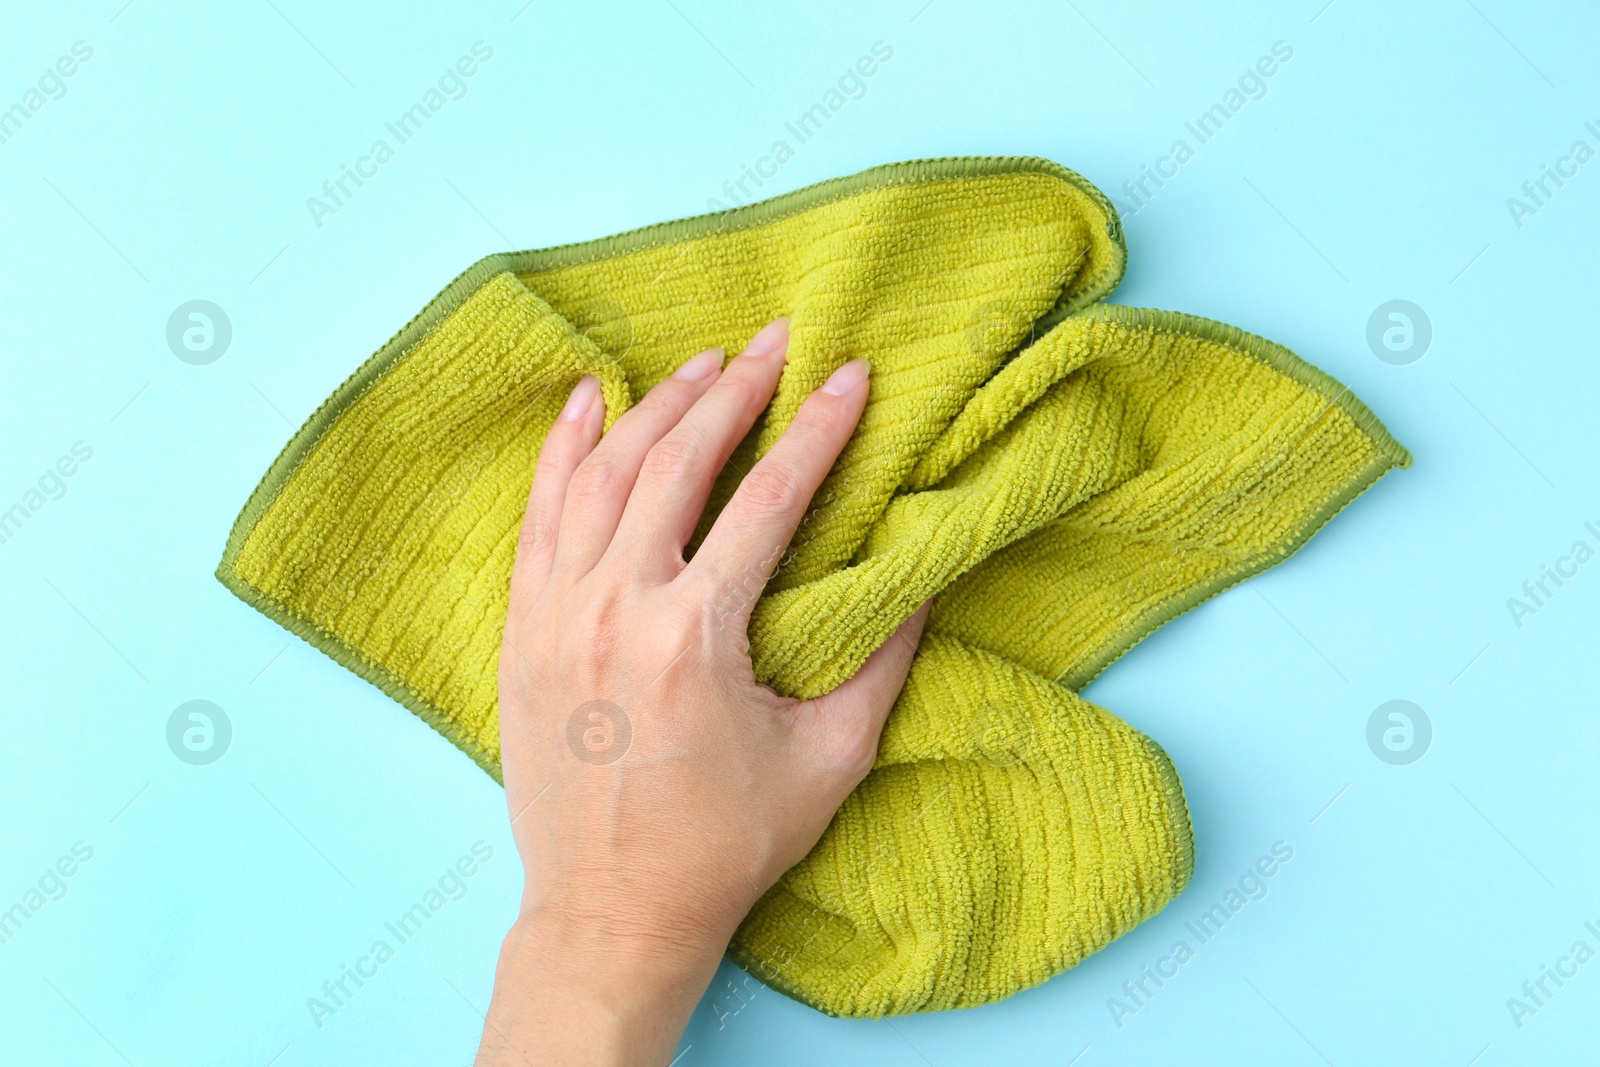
(1062,475)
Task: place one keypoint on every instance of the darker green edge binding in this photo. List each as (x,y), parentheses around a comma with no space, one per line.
(1389,454)
(468,281)
(1178,819)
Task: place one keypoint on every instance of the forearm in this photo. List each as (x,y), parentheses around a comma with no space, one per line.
(591,997)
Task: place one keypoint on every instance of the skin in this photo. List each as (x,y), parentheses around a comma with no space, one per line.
(655,788)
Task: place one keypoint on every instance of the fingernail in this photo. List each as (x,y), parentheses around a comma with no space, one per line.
(701,366)
(846,378)
(772,338)
(582,398)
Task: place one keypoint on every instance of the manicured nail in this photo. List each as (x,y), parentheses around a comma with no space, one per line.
(701,366)
(773,338)
(582,398)
(846,378)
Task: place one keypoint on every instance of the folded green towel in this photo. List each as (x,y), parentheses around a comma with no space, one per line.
(1064,475)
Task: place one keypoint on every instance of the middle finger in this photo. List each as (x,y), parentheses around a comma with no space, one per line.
(678,471)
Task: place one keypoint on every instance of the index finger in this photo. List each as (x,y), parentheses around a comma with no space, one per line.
(757,523)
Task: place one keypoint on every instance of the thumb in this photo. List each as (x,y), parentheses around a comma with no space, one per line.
(851,717)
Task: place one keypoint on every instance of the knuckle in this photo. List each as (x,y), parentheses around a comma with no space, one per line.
(673,648)
(683,626)
(538,533)
(703,591)
(855,752)
(594,479)
(770,486)
(670,457)
(552,457)
(658,406)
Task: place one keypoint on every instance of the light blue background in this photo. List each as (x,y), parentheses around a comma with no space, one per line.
(1377,166)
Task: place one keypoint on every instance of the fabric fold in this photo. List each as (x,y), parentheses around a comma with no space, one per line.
(1008,830)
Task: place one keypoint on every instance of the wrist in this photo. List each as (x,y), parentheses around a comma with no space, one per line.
(645,923)
(593,992)
(618,957)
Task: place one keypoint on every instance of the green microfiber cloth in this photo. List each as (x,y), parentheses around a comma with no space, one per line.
(1064,475)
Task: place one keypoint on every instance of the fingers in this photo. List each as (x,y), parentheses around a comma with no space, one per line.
(847,722)
(597,490)
(756,525)
(571,438)
(678,472)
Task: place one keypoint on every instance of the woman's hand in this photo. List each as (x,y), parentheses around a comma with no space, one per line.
(656,789)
